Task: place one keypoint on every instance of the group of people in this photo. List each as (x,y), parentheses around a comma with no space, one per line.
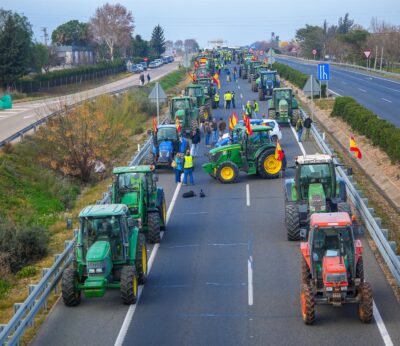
(183,161)
(229,99)
(300,125)
(141,78)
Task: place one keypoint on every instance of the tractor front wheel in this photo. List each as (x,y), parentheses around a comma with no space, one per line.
(227,173)
(268,166)
(141,259)
(70,293)
(292,221)
(307,304)
(129,285)
(153,228)
(365,307)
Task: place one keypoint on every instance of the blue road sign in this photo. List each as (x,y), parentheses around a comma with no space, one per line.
(323,72)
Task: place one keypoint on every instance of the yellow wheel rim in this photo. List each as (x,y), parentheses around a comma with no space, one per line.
(144,259)
(227,173)
(135,285)
(272,165)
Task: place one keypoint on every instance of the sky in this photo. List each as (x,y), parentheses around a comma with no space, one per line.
(236,22)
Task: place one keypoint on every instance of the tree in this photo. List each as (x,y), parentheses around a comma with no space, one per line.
(191,45)
(178,45)
(139,47)
(157,42)
(40,57)
(113,26)
(345,24)
(311,37)
(169,45)
(15,46)
(71,33)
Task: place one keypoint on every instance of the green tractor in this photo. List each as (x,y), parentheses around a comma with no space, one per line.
(253,154)
(283,106)
(136,187)
(184,109)
(247,59)
(201,98)
(110,253)
(256,75)
(315,188)
(251,69)
(267,82)
(207,85)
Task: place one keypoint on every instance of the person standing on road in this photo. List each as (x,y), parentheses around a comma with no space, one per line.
(216,100)
(188,168)
(228,98)
(141,79)
(221,127)
(299,128)
(256,109)
(249,110)
(233,99)
(307,126)
(178,167)
(195,137)
(207,133)
(214,128)
(148,78)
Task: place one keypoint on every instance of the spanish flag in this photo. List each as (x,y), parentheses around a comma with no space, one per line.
(249,130)
(233,120)
(354,148)
(216,80)
(278,152)
(192,76)
(203,61)
(178,125)
(154,125)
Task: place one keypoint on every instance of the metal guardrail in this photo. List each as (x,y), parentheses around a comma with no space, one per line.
(379,235)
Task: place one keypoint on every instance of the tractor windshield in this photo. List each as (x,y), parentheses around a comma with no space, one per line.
(181,104)
(167,134)
(260,137)
(106,229)
(195,92)
(316,174)
(283,94)
(333,242)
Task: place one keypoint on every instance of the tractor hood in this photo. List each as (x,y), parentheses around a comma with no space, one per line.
(180,113)
(334,269)
(316,198)
(130,199)
(224,148)
(99,251)
(283,105)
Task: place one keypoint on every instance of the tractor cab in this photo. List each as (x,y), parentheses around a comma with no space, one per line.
(202,72)
(183,109)
(283,106)
(207,86)
(165,145)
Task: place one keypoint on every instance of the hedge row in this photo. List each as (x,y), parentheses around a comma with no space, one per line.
(382,133)
(296,77)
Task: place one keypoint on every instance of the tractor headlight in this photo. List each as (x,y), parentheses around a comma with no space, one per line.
(99,270)
(91,271)
(343,288)
(329,289)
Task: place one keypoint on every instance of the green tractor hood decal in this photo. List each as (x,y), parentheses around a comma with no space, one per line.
(224,148)
(99,251)
(130,199)
(180,113)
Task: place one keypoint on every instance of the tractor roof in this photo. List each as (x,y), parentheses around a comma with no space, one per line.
(310,159)
(166,126)
(103,210)
(277,89)
(181,98)
(134,169)
(192,85)
(330,219)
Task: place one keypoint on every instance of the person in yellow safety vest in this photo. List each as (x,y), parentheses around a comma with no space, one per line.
(188,168)
(256,109)
(228,99)
(216,100)
(249,109)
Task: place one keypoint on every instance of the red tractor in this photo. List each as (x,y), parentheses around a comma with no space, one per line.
(332,267)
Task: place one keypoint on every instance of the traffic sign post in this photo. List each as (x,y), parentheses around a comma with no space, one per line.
(324,75)
(314,52)
(158,95)
(367,53)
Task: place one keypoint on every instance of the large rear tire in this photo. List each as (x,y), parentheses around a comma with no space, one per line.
(307,304)
(365,307)
(141,259)
(305,272)
(153,228)
(344,208)
(70,293)
(129,285)
(227,173)
(163,214)
(360,269)
(295,116)
(260,94)
(268,166)
(292,221)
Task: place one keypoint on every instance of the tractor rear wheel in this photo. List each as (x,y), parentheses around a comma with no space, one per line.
(268,166)
(305,272)
(227,173)
(295,116)
(360,269)
(141,259)
(253,85)
(153,228)
(271,113)
(365,307)
(344,208)
(307,304)
(129,285)
(163,214)
(292,221)
(260,94)
(70,293)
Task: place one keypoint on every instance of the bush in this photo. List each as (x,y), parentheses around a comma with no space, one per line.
(22,244)
(4,288)
(381,133)
(27,272)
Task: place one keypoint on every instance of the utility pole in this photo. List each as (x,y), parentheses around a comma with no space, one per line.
(376,56)
(380,68)
(45,35)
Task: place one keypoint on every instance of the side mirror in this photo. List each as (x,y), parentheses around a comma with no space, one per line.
(303,233)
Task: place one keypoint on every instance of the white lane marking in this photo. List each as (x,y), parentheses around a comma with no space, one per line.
(386,100)
(248,195)
(238,86)
(250,280)
(381,326)
(333,92)
(363,90)
(132,308)
(28,116)
(377,316)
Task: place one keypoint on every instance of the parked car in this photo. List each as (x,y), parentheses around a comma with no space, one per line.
(144,65)
(134,69)
(140,67)
(153,64)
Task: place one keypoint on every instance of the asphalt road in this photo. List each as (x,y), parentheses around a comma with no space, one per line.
(224,274)
(25,113)
(379,94)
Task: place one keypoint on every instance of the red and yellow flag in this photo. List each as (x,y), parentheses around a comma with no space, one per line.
(178,125)
(154,125)
(249,129)
(278,152)
(192,76)
(233,120)
(354,148)
(216,80)
(203,61)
